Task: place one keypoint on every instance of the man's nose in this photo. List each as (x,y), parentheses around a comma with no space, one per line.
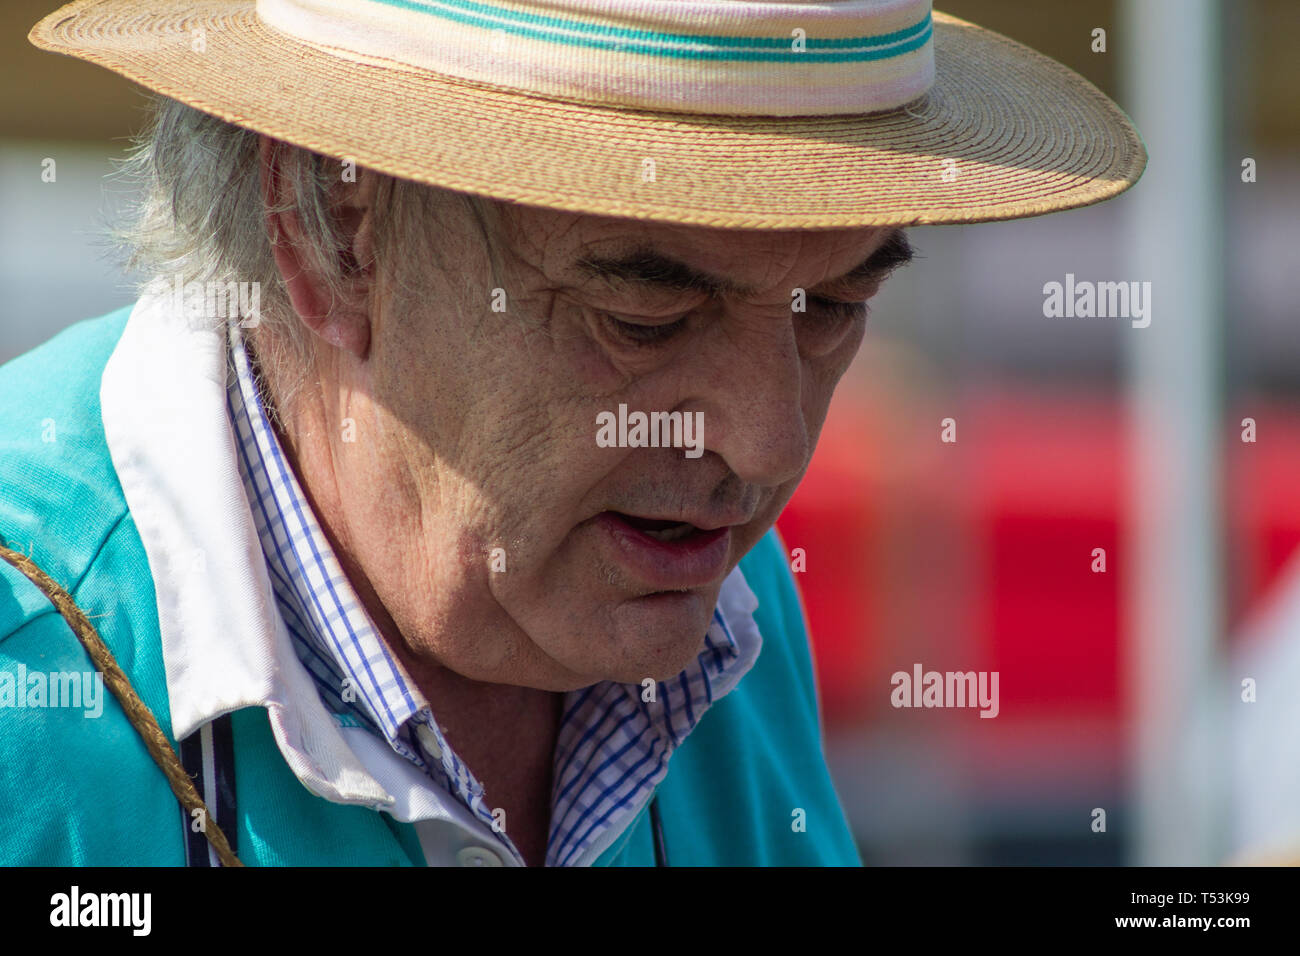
(753,402)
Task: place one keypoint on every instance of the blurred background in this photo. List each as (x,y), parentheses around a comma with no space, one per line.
(1163,690)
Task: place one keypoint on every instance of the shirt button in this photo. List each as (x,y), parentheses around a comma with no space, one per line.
(430,740)
(477,856)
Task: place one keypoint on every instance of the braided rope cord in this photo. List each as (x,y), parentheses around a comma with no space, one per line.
(141,717)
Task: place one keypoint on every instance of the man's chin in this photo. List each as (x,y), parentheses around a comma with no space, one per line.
(659,634)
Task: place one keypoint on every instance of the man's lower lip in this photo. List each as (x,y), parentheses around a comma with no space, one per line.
(689,562)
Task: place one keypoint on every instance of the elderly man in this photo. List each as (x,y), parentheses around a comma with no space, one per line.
(421,511)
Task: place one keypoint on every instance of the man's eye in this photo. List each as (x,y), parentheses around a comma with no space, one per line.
(638,333)
(834,309)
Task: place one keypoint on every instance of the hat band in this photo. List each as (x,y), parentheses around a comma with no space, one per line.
(702,56)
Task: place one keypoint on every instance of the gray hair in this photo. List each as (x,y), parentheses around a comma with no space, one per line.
(202,215)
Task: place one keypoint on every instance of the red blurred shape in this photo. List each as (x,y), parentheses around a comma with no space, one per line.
(1039,483)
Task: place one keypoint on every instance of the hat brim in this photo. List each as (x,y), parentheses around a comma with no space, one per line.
(1005,132)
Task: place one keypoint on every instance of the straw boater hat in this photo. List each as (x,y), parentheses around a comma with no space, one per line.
(724,113)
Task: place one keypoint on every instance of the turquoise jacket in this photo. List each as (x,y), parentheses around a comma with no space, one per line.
(749,786)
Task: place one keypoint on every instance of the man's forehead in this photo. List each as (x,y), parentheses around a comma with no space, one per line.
(737,262)
(576,249)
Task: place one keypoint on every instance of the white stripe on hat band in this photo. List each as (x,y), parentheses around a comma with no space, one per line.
(738,57)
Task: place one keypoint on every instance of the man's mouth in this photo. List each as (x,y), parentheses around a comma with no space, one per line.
(665,553)
(658,529)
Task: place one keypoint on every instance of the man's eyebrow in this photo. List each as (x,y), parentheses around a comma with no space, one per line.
(892,254)
(646,266)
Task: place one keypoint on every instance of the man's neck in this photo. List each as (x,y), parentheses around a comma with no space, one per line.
(506,736)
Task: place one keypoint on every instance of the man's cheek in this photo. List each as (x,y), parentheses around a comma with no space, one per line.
(536,550)
(816,404)
(514,455)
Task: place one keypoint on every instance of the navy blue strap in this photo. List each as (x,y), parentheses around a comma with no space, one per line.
(214,749)
(661,851)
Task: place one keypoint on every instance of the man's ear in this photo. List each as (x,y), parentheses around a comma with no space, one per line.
(343,322)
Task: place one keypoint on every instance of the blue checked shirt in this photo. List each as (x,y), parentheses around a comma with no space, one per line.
(613,747)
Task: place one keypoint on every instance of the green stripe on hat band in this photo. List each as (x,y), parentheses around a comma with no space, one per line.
(678,45)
